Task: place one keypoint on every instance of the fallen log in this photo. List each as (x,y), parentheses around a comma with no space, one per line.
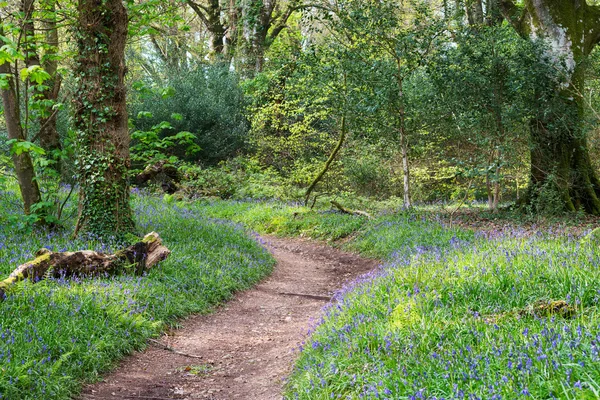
(138,257)
(351,212)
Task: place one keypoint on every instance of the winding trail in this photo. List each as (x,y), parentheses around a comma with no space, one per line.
(248,346)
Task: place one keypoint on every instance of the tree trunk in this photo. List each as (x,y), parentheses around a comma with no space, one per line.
(101,119)
(405,169)
(48,134)
(496,192)
(403,138)
(49,138)
(474,11)
(30,191)
(561,176)
(332,157)
(139,257)
(488,187)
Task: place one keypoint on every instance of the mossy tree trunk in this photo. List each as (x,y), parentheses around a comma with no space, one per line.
(136,258)
(101,119)
(561,171)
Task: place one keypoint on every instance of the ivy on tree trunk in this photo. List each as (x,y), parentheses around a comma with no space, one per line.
(101,119)
(561,173)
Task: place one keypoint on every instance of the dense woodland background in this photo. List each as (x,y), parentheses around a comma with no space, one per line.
(204,119)
(406,100)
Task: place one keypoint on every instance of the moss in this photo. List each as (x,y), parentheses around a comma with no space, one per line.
(40,259)
(150,238)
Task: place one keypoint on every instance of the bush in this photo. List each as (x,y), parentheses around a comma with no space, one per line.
(206,102)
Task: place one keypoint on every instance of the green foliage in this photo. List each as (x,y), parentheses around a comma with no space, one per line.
(155,144)
(206,102)
(238,178)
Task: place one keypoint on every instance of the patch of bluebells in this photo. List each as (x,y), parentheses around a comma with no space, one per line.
(56,333)
(449,321)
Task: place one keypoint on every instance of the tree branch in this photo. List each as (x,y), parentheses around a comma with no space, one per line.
(201,11)
(513,14)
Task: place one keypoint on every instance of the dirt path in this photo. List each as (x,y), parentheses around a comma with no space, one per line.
(248,345)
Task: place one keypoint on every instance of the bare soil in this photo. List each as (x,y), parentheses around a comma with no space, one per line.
(247,346)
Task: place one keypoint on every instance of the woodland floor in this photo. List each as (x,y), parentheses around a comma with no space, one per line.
(247,346)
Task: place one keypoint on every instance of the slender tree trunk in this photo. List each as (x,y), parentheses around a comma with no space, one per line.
(405,169)
(330,160)
(101,119)
(48,135)
(488,187)
(403,138)
(496,191)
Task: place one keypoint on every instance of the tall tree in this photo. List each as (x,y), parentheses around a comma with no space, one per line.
(101,118)
(48,133)
(560,163)
(9,54)
(245,29)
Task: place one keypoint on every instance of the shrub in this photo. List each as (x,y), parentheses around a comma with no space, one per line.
(206,102)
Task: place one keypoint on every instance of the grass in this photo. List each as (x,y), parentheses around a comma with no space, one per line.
(449,315)
(56,334)
(385,236)
(473,321)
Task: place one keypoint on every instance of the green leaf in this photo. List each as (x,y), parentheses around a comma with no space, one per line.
(144,114)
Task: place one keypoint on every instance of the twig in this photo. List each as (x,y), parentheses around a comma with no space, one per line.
(165,347)
(310,296)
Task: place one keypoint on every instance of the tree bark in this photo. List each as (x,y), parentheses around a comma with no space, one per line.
(139,258)
(332,157)
(49,137)
(403,138)
(561,171)
(48,134)
(30,191)
(102,137)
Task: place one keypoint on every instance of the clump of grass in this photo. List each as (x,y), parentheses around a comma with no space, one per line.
(277,218)
(54,334)
(425,326)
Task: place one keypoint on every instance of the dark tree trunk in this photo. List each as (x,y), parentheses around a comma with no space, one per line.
(561,170)
(561,174)
(101,119)
(30,191)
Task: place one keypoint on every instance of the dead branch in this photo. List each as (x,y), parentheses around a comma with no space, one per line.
(349,211)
